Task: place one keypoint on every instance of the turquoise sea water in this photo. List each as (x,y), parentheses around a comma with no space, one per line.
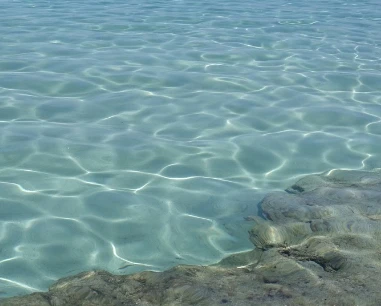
(136,135)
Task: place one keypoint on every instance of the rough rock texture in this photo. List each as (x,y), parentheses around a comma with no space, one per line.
(318,243)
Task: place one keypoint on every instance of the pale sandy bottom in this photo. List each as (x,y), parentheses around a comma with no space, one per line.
(137,136)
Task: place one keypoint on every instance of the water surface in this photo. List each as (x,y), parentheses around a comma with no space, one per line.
(136,135)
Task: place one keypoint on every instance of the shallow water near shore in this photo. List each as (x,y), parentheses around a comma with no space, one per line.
(137,136)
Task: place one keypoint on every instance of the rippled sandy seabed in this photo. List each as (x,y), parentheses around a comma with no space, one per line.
(136,135)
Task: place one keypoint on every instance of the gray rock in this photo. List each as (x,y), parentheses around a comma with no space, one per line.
(318,243)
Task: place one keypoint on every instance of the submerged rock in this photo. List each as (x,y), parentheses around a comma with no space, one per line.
(318,243)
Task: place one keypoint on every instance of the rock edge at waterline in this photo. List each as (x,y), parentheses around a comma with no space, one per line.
(318,243)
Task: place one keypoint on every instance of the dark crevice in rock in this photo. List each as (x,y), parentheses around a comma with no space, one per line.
(294,189)
(330,265)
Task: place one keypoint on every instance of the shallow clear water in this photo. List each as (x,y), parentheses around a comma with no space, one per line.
(136,136)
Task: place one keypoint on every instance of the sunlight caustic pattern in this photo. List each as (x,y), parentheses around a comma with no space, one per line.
(136,135)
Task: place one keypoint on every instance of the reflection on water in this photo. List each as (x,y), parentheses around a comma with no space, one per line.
(138,135)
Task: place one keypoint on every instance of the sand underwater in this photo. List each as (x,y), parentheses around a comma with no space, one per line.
(316,243)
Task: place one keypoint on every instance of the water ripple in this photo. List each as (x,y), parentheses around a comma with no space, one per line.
(137,135)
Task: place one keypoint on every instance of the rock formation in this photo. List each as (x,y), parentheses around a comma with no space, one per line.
(318,243)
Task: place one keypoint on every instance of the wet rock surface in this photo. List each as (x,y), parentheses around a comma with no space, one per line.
(318,243)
